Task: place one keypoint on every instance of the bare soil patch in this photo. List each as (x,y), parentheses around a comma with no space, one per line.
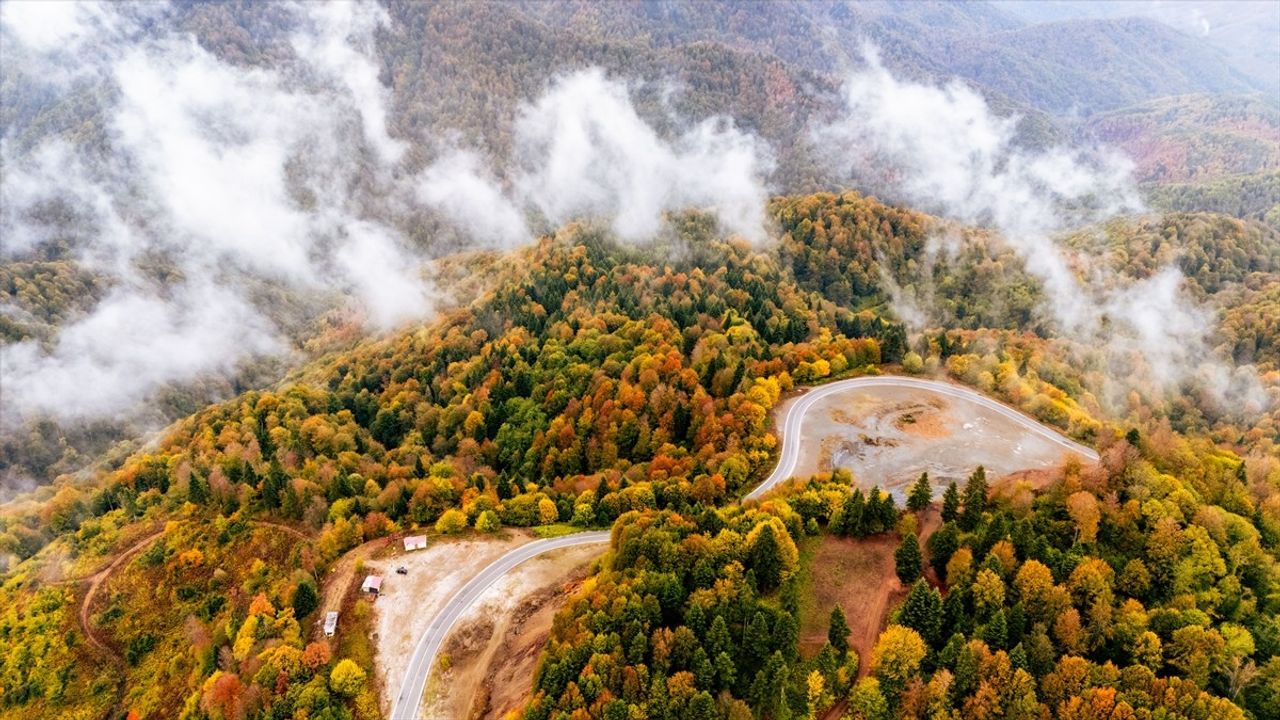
(494,650)
(886,436)
(341,578)
(408,603)
(859,575)
(923,422)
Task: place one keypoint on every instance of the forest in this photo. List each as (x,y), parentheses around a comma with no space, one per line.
(285,283)
(463,70)
(1115,593)
(597,384)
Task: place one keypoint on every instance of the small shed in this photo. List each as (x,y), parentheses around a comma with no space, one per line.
(372,584)
(415,542)
(330,623)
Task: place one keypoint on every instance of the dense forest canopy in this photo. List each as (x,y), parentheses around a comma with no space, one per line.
(446,88)
(280,281)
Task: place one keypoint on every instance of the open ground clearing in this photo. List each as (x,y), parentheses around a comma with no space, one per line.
(493,650)
(409,602)
(859,576)
(887,435)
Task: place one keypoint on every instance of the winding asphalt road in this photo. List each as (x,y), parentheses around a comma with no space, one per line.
(790,428)
(409,700)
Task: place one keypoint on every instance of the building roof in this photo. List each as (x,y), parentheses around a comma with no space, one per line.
(330,621)
(415,542)
(372,582)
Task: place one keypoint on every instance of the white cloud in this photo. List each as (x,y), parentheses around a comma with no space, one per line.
(54,26)
(132,343)
(459,188)
(941,149)
(230,177)
(340,45)
(584,151)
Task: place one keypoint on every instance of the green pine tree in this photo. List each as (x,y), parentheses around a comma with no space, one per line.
(854,511)
(996,631)
(942,544)
(921,494)
(951,503)
(975,499)
(907,559)
(838,632)
(766,560)
(305,599)
(198,489)
(718,639)
(922,612)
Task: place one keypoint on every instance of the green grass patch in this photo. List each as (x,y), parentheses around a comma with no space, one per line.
(556,530)
(808,547)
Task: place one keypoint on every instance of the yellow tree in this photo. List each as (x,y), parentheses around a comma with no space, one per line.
(1082,506)
(896,657)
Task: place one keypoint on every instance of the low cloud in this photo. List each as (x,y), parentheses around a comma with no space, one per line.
(582,151)
(213,179)
(463,192)
(942,150)
(132,343)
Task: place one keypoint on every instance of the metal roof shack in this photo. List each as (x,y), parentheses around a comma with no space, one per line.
(330,623)
(372,584)
(415,542)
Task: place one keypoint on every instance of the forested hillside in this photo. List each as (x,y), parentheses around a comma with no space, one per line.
(282,284)
(1145,589)
(458,75)
(598,383)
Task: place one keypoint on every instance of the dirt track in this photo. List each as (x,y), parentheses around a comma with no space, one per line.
(95,583)
(96,580)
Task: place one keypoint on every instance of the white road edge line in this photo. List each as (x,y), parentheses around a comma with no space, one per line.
(409,700)
(790,426)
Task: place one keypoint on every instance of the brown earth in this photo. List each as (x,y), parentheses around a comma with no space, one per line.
(408,603)
(859,575)
(923,422)
(338,582)
(494,651)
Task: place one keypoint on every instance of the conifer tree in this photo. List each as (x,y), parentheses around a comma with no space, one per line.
(854,511)
(922,612)
(921,494)
(975,499)
(951,503)
(766,560)
(838,632)
(907,559)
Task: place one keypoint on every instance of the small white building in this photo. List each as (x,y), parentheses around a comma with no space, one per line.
(415,542)
(372,584)
(330,623)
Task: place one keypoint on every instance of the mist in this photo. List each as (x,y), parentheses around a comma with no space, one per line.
(941,149)
(581,151)
(217,180)
(220,176)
